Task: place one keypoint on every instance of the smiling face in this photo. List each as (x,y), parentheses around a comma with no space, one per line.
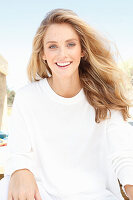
(62,50)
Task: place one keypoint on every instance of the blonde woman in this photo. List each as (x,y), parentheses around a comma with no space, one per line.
(69,136)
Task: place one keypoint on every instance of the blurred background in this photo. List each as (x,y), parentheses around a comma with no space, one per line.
(19,21)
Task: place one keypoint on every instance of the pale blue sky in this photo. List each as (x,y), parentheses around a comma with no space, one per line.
(19,21)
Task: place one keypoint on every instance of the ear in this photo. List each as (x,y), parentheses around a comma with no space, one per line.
(43,57)
(82,54)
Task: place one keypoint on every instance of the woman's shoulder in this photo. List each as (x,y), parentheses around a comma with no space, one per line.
(117,117)
(28,91)
(116,114)
(29,88)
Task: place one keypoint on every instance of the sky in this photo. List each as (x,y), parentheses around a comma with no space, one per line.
(19,21)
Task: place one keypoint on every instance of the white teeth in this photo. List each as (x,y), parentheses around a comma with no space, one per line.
(63,64)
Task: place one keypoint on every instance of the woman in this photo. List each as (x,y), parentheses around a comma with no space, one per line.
(69,138)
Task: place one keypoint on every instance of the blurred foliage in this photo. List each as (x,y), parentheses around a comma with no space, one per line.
(10,97)
(127,66)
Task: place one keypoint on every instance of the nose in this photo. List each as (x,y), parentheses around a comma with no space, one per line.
(62,52)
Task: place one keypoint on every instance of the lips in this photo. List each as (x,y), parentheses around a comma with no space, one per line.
(63,65)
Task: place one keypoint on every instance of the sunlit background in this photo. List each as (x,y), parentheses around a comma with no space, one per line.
(19,21)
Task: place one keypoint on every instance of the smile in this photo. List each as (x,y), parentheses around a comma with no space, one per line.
(63,64)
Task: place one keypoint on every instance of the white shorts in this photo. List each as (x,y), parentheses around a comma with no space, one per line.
(4,183)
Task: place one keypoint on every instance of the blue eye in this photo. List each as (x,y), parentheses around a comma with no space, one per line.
(71,44)
(52,46)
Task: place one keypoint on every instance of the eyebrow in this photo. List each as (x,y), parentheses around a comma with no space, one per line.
(65,41)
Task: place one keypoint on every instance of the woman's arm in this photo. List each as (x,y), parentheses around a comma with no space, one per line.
(120,146)
(19,146)
(129,191)
(21,164)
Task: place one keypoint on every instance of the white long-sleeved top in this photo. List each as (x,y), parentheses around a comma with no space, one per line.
(58,140)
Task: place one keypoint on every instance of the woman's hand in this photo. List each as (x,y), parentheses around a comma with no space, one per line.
(129,191)
(22,186)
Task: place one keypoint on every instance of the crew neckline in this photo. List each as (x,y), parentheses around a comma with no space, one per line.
(78,97)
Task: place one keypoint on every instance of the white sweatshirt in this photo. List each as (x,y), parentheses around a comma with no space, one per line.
(58,140)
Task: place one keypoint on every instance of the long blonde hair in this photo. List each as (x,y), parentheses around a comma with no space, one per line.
(102,81)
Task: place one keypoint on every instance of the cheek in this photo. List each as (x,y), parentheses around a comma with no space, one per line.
(77,56)
(50,56)
(76,53)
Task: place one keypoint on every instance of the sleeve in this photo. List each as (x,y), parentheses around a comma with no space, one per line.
(120,146)
(20,151)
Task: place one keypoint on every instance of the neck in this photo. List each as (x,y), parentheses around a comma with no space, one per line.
(65,87)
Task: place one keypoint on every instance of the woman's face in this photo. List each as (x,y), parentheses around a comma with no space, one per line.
(62,50)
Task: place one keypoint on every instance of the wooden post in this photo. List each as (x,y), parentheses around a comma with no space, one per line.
(3,92)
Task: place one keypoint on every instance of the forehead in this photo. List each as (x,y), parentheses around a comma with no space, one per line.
(60,32)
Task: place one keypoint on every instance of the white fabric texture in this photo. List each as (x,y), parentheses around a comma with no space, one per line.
(4,184)
(70,154)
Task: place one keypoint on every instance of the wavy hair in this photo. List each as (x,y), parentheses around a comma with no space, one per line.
(105,85)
